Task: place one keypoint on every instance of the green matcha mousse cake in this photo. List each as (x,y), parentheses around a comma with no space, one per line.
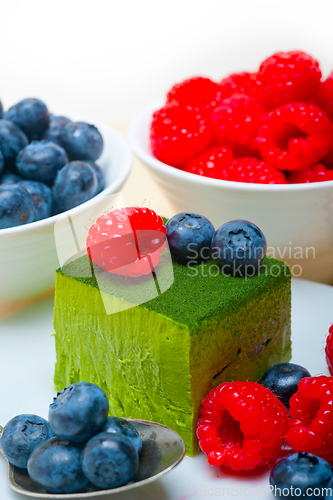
(158,360)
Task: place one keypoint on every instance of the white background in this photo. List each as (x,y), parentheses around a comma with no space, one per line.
(106,59)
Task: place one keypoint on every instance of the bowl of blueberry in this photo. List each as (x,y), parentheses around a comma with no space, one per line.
(256,146)
(50,165)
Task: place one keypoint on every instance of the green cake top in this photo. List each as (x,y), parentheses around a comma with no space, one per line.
(196,293)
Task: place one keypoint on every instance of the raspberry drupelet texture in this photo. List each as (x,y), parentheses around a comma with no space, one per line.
(241,83)
(198,92)
(287,77)
(242,425)
(311,417)
(236,123)
(178,133)
(127,241)
(252,170)
(295,136)
(210,162)
(329,350)
(316,173)
(324,96)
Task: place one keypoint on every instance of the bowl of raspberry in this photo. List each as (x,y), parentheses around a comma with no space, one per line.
(50,165)
(255,146)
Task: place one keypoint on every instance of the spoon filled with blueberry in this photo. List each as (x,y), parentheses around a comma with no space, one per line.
(81,452)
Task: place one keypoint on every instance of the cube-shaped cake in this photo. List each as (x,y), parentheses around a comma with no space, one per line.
(158,360)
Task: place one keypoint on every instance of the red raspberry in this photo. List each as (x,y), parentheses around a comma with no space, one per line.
(237,122)
(324,97)
(198,92)
(329,350)
(177,133)
(316,173)
(252,170)
(311,411)
(210,162)
(295,136)
(289,76)
(242,425)
(241,83)
(127,241)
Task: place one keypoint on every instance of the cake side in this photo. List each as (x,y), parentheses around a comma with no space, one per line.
(243,345)
(139,358)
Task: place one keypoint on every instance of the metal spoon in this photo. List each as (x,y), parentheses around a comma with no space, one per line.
(162,450)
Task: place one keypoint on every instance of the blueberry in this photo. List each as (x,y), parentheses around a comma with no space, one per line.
(239,247)
(293,475)
(17,206)
(10,179)
(1,110)
(40,161)
(122,426)
(75,183)
(2,162)
(20,437)
(31,115)
(109,460)
(99,174)
(56,125)
(12,140)
(82,141)
(42,196)
(78,412)
(189,236)
(56,466)
(283,379)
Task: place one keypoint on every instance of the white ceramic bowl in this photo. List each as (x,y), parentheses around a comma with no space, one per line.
(28,255)
(296,219)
